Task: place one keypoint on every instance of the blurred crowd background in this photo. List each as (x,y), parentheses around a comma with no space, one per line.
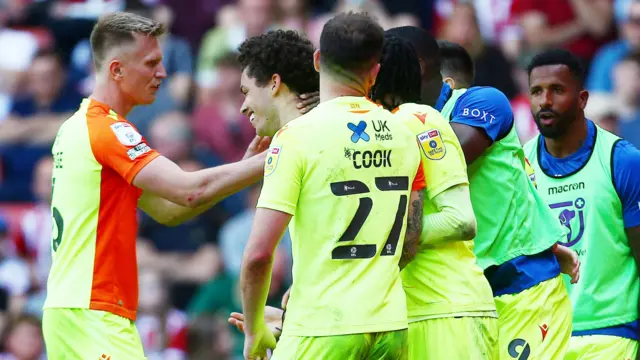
(189,273)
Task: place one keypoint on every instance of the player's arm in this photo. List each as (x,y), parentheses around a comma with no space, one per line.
(454,219)
(479,119)
(276,206)
(445,173)
(626,178)
(268,227)
(167,188)
(414,227)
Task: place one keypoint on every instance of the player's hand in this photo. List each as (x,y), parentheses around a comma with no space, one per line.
(258,346)
(272,317)
(308,101)
(258,145)
(569,263)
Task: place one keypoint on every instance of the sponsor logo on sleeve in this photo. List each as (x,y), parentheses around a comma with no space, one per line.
(138,150)
(272,160)
(432,144)
(126,134)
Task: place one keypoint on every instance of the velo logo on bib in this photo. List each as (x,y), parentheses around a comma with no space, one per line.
(571,216)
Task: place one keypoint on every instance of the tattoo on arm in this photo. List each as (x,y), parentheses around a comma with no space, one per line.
(414,228)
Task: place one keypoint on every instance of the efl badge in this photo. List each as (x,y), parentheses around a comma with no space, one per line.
(272,160)
(432,144)
(126,133)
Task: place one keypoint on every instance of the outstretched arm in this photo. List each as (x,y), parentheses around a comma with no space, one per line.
(172,196)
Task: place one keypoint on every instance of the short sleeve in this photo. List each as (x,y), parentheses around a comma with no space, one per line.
(485,108)
(119,146)
(419,182)
(442,157)
(626,178)
(283,171)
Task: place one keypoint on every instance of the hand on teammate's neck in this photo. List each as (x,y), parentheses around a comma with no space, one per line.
(571,142)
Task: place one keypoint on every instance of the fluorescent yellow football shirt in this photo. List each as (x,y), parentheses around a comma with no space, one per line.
(443,280)
(345,172)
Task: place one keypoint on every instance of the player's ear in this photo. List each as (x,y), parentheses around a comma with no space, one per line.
(316,60)
(449,81)
(373,74)
(583,98)
(276,81)
(115,70)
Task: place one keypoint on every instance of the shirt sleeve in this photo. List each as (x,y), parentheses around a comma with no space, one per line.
(445,169)
(119,146)
(485,108)
(626,177)
(419,182)
(283,171)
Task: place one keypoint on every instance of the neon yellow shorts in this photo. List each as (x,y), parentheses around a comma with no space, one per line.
(82,334)
(468,338)
(601,347)
(536,323)
(390,345)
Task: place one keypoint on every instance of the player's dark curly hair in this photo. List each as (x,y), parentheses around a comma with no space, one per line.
(281,52)
(399,78)
(559,57)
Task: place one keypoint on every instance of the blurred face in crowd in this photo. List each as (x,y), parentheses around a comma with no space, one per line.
(42,179)
(259,105)
(45,78)
(462,27)
(170,134)
(25,341)
(138,70)
(631,28)
(257,14)
(626,76)
(556,98)
(153,294)
(291,7)
(229,76)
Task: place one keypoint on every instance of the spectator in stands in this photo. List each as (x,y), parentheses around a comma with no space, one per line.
(35,230)
(603,110)
(626,75)
(13,63)
(601,73)
(256,16)
(14,271)
(217,123)
(234,235)
(163,328)
(581,26)
(175,90)
(23,340)
(35,118)
(492,67)
(185,254)
(209,337)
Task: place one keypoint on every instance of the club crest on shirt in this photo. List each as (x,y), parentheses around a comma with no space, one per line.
(432,144)
(126,134)
(272,160)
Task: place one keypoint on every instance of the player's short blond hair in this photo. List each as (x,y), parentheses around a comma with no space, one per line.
(117,29)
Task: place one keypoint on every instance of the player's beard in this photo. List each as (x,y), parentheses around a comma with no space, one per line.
(562,124)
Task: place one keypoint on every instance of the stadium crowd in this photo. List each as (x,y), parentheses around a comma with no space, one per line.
(189,273)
